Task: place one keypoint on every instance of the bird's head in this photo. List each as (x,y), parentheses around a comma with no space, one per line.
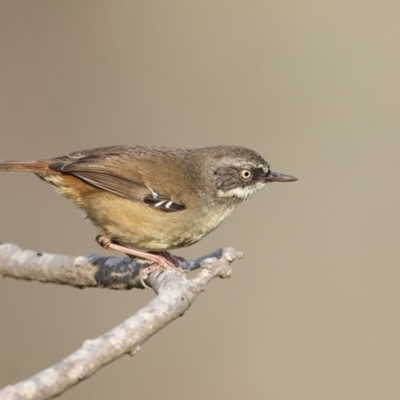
(238,173)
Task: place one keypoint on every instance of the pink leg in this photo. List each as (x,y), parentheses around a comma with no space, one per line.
(164,260)
(142,254)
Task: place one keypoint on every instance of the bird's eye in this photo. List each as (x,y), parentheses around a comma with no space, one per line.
(246,174)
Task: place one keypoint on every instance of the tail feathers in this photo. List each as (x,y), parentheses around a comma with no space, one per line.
(23,166)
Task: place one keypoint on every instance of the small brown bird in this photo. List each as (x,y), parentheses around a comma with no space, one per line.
(147,200)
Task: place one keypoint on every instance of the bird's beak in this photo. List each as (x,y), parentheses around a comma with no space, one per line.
(277,177)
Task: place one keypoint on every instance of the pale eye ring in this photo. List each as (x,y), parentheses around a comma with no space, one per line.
(246,174)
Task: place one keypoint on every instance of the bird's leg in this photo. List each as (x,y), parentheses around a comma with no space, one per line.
(170,257)
(163,259)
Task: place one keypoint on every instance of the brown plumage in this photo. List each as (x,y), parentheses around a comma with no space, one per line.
(154,199)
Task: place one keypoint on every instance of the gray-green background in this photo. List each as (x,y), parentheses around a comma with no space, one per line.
(312,311)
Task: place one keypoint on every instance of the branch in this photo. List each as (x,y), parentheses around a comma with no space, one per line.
(83,271)
(175,296)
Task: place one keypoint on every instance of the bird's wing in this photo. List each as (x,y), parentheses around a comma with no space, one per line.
(116,170)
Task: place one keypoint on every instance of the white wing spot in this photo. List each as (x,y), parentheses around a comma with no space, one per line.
(153,192)
(169,204)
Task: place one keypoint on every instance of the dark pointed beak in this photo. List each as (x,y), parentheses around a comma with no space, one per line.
(277,177)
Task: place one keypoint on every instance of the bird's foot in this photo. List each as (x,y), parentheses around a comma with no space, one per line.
(159,260)
(162,259)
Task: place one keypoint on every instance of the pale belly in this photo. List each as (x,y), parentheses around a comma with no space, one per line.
(140,227)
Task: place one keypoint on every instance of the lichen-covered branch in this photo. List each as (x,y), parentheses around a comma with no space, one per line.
(83,271)
(175,294)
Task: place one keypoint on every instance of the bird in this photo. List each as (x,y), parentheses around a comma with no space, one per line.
(147,200)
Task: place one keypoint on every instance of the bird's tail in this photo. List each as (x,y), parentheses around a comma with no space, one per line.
(23,166)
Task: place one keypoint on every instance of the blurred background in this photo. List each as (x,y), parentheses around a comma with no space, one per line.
(312,310)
